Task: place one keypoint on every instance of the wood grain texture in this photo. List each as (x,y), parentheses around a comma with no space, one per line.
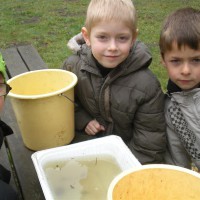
(19,60)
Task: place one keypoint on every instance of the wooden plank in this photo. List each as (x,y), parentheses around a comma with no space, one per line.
(14,62)
(6,163)
(4,160)
(21,156)
(31,57)
(4,157)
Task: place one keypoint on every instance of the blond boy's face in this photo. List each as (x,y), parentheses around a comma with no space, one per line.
(183,66)
(110,42)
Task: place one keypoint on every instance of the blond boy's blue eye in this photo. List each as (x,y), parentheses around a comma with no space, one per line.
(101,36)
(123,38)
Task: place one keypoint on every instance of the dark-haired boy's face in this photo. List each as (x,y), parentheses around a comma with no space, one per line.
(183,66)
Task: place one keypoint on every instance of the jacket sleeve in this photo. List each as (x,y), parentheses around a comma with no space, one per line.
(149,130)
(176,153)
(82,117)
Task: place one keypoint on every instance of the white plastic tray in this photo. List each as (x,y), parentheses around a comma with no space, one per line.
(109,145)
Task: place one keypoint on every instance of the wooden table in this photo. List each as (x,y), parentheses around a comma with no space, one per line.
(24,178)
(14,155)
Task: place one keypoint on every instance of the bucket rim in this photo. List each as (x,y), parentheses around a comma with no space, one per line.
(57,92)
(143,167)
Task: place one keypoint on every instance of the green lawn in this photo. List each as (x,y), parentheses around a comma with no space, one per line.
(49,24)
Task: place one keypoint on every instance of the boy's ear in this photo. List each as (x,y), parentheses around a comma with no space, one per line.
(163,61)
(85,35)
(135,34)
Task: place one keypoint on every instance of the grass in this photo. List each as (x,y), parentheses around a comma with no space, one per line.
(48,25)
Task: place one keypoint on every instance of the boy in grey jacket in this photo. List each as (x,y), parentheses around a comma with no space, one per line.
(116,92)
(180,51)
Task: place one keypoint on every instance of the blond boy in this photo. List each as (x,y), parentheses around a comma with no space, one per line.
(116,92)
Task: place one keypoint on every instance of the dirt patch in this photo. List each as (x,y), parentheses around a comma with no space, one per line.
(14,44)
(32,20)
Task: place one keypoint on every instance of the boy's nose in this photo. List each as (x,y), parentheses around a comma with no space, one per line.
(186,68)
(112,45)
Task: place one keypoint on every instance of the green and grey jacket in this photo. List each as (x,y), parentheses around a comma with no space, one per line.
(128,102)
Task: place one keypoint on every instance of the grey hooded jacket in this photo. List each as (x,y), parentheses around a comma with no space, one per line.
(129,101)
(182,112)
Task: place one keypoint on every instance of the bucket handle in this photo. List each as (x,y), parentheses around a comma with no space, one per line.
(68,98)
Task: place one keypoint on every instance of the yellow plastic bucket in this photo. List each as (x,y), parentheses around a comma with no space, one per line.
(155,182)
(43,104)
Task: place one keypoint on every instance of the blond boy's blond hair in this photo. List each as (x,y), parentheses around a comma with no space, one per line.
(111,10)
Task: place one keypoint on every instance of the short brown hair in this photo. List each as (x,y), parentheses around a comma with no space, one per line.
(181,27)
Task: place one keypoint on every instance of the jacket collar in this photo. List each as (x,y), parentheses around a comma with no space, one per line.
(138,58)
(172,87)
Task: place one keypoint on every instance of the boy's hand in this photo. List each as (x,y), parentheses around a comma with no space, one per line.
(93,127)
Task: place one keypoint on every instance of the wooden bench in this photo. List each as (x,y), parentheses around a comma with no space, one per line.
(14,155)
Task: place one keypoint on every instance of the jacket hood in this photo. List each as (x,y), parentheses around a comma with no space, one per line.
(139,57)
